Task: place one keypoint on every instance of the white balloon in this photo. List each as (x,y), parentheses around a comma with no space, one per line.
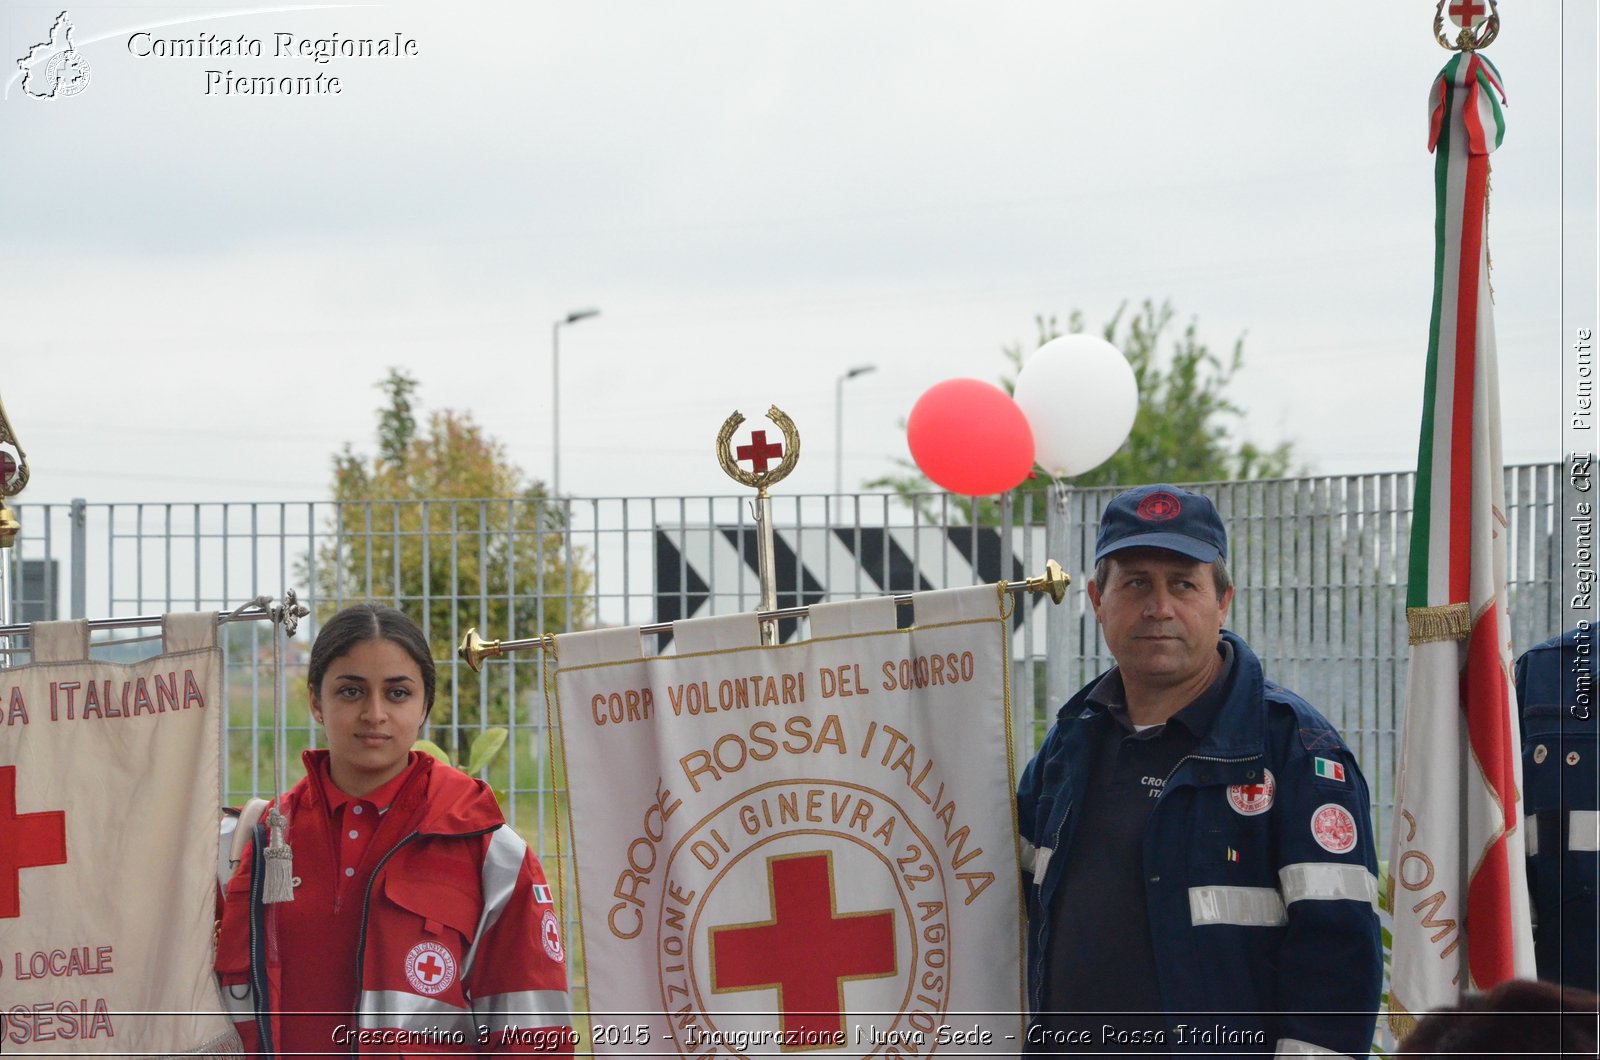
(1079,397)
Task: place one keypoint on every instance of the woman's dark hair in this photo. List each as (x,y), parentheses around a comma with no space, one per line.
(360,622)
(1517,1018)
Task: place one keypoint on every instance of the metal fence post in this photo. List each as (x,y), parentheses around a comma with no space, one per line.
(1059,622)
(79,519)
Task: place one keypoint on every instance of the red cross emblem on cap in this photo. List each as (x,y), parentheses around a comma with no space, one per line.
(1159,507)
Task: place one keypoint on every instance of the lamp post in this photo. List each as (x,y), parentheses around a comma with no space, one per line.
(555,393)
(838,422)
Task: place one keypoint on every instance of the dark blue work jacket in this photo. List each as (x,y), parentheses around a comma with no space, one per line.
(1263,918)
(1555,690)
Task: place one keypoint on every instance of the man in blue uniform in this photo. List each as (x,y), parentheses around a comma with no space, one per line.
(1203,875)
(1555,691)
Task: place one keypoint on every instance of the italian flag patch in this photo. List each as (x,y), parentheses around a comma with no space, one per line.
(541,892)
(1328,769)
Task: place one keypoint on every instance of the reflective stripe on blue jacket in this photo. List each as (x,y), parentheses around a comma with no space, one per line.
(1555,690)
(1264,922)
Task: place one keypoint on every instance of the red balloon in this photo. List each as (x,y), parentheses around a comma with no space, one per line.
(970,437)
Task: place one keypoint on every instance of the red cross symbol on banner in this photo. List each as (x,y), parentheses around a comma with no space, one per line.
(27,841)
(1467,13)
(429,968)
(806,950)
(759,451)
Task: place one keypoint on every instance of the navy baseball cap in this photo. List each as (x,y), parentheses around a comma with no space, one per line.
(1162,516)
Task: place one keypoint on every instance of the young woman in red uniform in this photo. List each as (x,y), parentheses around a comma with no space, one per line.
(420,922)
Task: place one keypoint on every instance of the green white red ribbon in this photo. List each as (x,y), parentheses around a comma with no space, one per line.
(1457,878)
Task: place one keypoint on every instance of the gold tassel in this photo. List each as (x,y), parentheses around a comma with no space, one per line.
(1401,1023)
(1444,622)
(279,885)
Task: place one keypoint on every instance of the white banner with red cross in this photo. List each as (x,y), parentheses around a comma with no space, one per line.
(108,847)
(808,847)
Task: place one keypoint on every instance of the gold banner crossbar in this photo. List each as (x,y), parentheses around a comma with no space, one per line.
(474,649)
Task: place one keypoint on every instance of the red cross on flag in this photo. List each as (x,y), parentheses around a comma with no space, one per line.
(806,950)
(107,913)
(27,841)
(798,845)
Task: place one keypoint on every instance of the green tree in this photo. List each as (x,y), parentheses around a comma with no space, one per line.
(443,525)
(1183,431)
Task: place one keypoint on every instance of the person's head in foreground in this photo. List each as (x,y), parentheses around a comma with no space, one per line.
(1524,1017)
(371,680)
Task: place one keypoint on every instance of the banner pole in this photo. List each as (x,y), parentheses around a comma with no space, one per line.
(765,565)
(13,477)
(759,453)
(474,649)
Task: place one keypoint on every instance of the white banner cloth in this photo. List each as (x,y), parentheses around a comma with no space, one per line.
(108,847)
(809,846)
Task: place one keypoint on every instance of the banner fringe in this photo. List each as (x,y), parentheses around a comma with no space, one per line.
(1401,1022)
(1442,622)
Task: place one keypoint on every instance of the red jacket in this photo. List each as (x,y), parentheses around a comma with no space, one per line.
(460,948)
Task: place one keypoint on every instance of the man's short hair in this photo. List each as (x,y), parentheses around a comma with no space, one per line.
(1219,574)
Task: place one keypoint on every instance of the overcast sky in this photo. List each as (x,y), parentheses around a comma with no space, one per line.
(199,291)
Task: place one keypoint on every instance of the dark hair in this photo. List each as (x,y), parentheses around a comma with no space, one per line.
(360,622)
(1220,577)
(1517,1018)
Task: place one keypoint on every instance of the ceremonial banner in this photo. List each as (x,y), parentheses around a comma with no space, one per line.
(108,847)
(808,847)
(1457,886)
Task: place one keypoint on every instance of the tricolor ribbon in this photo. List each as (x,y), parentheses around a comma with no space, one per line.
(1457,886)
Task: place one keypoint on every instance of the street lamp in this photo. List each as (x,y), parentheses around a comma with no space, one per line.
(838,422)
(555,392)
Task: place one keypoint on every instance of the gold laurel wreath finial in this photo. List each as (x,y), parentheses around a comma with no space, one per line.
(13,477)
(759,480)
(10,487)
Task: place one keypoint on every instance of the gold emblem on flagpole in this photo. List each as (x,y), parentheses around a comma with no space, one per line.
(760,452)
(13,477)
(1477,22)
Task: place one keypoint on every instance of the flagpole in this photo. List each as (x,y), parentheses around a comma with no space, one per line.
(1457,889)
(13,477)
